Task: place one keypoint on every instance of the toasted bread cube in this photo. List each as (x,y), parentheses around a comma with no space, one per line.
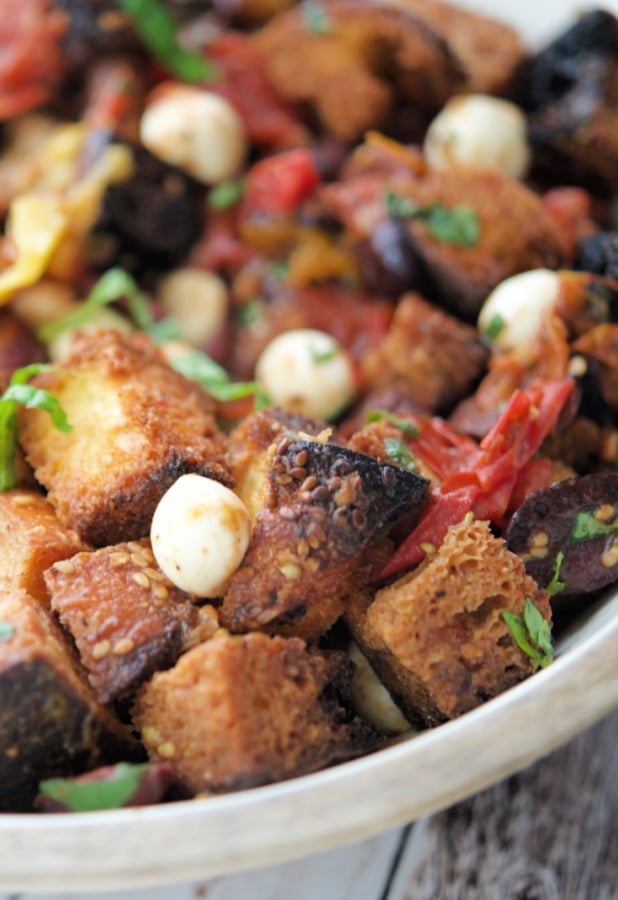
(437,637)
(126,618)
(137,426)
(31,539)
(428,356)
(239,711)
(50,722)
(324,508)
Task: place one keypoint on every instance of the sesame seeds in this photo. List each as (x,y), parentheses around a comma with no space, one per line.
(65,567)
(610,558)
(101,649)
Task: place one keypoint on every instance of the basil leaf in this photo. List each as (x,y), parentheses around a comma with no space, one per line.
(531,632)
(408,428)
(197,366)
(85,796)
(400,453)
(226,194)
(452,225)
(157,28)
(35,398)
(6,630)
(586,527)
(555,586)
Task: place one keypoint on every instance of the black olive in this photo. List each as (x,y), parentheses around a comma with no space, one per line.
(598,254)
(388,261)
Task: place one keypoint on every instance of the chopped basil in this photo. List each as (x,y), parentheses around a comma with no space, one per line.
(251,313)
(19,392)
(400,453)
(6,630)
(109,793)
(113,285)
(494,327)
(451,225)
(323,356)
(586,527)
(196,366)
(555,586)
(531,632)
(315,17)
(157,28)
(404,425)
(225,194)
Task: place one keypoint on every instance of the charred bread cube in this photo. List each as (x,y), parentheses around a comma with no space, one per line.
(324,508)
(50,723)
(126,618)
(31,539)
(244,710)
(427,356)
(137,426)
(437,637)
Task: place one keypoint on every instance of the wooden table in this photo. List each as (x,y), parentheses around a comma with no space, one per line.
(549,833)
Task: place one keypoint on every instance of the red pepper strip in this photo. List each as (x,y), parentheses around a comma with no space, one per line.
(277,185)
(487,487)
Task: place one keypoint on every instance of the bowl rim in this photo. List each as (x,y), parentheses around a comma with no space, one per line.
(413,777)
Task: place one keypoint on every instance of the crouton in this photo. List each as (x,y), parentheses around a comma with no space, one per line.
(437,637)
(312,542)
(428,356)
(240,711)
(137,426)
(31,539)
(50,722)
(126,618)
(515,233)
(354,66)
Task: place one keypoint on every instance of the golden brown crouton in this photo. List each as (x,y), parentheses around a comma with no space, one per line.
(50,723)
(428,356)
(354,65)
(31,539)
(437,637)
(126,618)
(490,51)
(515,232)
(137,426)
(311,545)
(239,711)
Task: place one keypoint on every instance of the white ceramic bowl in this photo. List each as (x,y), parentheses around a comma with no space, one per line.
(418,775)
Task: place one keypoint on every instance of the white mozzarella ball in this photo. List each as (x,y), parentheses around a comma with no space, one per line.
(103,319)
(371,699)
(196,131)
(307,371)
(513,313)
(198,301)
(199,533)
(481,131)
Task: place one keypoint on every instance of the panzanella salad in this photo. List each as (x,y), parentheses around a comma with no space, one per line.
(308,380)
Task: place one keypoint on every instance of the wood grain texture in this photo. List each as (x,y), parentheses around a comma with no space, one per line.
(548,833)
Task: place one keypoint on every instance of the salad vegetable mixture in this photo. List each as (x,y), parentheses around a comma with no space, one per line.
(308,376)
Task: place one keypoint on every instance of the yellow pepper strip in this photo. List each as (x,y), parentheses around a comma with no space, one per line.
(35,226)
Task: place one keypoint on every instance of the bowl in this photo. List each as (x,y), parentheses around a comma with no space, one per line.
(412,777)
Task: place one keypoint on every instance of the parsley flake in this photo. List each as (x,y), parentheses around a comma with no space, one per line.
(85,796)
(400,453)
(555,586)
(586,527)
(531,632)
(225,194)
(451,225)
(408,428)
(494,327)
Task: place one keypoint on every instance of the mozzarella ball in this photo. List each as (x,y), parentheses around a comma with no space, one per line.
(480,131)
(198,301)
(513,313)
(103,319)
(308,372)
(196,131)
(371,699)
(199,534)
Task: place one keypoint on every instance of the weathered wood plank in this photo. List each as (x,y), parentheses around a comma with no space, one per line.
(548,833)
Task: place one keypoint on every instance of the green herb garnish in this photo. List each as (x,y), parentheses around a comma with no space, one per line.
(408,428)
(315,17)
(586,527)
(555,586)
(84,796)
(196,366)
(323,356)
(451,225)
(400,453)
(531,632)
(157,28)
(19,392)
(114,285)
(494,327)
(6,630)
(225,194)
